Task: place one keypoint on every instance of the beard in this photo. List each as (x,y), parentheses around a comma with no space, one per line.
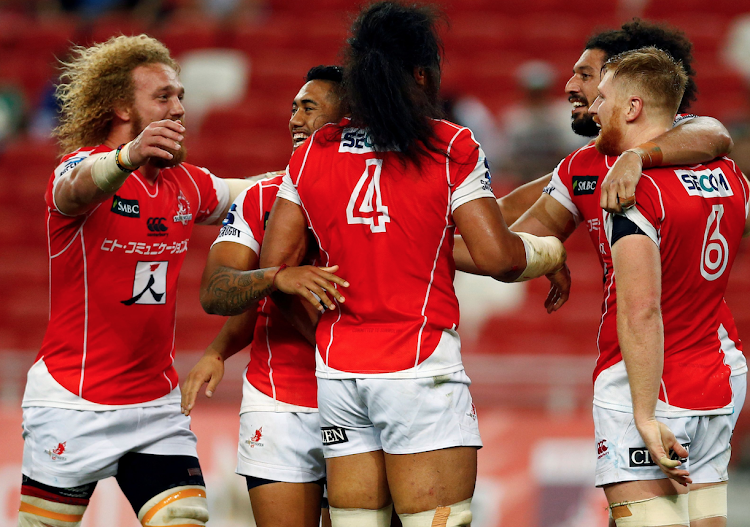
(609,141)
(178,155)
(585,125)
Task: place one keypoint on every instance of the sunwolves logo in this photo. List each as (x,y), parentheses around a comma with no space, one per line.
(57,453)
(584,185)
(641,457)
(126,207)
(255,440)
(333,435)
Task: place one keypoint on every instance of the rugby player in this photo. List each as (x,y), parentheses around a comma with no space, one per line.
(671,256)
(280,451)
(382,193)
(102,398)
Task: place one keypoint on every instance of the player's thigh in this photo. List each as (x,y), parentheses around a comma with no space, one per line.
(151,481)
(45,505)
(430,435)
(657,502)
(279,504)
(358,481)
(424,481)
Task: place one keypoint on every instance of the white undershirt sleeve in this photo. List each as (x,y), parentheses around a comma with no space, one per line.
(287,190)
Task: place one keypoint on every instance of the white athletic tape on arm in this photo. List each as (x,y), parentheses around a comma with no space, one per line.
(184,505)
(361,517)
(544,255)
(106,174)
(708,502)
(457,515)
(38,512)
(652,512)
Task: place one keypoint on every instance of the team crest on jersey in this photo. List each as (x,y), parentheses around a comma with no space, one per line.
(126,207)
(584,185)
(705,183)
(183,210)
(150,284)
(333,435)
(641,457)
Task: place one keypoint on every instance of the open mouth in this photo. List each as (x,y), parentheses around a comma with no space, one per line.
(298,138)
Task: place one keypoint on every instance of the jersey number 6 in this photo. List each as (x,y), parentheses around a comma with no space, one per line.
(366,202)
(715,252)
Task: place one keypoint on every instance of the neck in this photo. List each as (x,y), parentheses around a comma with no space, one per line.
(642,131)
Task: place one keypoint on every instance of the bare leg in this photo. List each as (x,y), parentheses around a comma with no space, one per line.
(286,504)
(358,481)
(425,481)
(642,490)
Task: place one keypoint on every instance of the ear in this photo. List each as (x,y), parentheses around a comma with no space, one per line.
(420,76)
(634,109)
(123,111)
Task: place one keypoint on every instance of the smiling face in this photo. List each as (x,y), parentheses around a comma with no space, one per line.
(581,90)
(158,96)
(315,105)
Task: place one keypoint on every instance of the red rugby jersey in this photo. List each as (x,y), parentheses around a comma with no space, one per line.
(282,362)
(575,184)
(113,285)
(389,226)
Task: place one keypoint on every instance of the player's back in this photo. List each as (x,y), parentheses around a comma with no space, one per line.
(388,224)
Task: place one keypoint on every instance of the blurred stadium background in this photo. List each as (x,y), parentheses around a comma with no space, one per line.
(243,62)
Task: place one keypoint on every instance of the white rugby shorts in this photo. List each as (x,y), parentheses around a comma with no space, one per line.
(399,416)
(281,446)
(623,456)
(67,448)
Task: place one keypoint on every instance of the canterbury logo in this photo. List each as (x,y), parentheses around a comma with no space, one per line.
(156,224)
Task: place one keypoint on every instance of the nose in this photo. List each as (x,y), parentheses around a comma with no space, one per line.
(177,110)
(572,85)
(595,106)
(296,118)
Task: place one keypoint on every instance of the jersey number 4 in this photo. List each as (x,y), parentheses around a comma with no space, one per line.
(715,252)
(366,202)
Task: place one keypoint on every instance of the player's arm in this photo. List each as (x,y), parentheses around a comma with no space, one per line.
(235,335)
(544,217)
(285,244)
(98,177)
(698,140)
(640,331)
(520,199)
(500,253)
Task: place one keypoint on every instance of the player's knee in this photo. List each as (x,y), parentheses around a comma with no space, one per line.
(361,517)
(456,515)
(708,502)
(652,512)
(40,512)
(185,505)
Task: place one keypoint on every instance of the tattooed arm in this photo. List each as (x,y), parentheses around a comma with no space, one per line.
(232,284)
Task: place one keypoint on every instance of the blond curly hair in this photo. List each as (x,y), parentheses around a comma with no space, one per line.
(97,79)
